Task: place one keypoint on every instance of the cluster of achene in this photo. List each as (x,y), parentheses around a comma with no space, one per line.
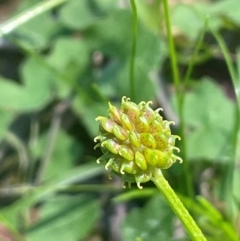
(135,140)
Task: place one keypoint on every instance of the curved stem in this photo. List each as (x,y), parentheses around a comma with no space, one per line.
(162,184)
(133,51)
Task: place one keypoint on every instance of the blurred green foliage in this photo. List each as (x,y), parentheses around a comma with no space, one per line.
(145,222)
(75,58)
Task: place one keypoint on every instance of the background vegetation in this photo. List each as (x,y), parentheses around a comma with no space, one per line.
(57,72)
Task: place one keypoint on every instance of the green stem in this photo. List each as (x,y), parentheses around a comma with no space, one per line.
(186,186)
(195,53)
(133,51)
(27,15)
(172,51)
(181,109)
(187,174)
(229,62)
(228,182)
(162,184)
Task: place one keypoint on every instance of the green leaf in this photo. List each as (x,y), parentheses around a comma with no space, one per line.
(36,91)
(150,13)
(209,115)
(65,218)
(37,32)
(69,57)
(82,14)
(88,112)
(188,19)
(227,9)
(106,78)
(67,50)
(11,94)
(144,87)
(153,222)
(115,43)
(111,40)
(38,82)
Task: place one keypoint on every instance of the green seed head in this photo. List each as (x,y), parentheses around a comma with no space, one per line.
(135,140)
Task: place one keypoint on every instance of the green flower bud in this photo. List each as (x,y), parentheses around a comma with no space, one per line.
(135,140)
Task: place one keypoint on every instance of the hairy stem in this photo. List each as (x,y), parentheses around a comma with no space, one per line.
(190,225)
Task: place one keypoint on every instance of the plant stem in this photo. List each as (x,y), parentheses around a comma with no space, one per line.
(230,173)
(133,51)
(162,184)
(188,185)
(227,57)
(181,105)
(195,52)
(172,51)
(27,15)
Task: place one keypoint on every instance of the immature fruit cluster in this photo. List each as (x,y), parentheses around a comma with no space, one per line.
(135,140)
